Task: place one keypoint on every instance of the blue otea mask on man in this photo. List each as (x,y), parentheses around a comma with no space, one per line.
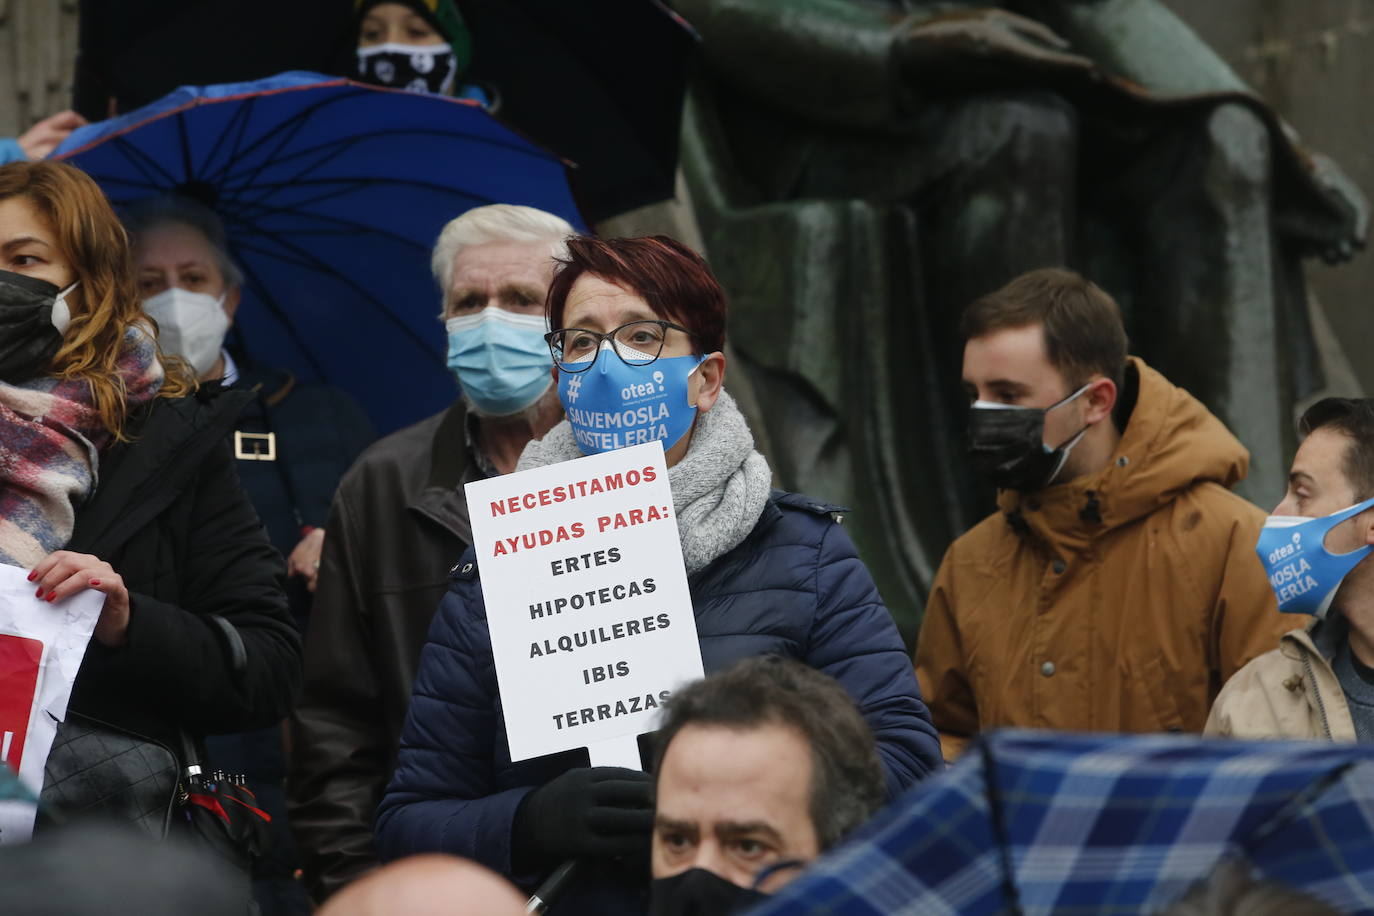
(500,359)
(613,405)
(1302,572)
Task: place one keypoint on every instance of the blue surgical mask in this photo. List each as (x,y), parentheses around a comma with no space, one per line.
(613,405)
(1302,572)
(500,359)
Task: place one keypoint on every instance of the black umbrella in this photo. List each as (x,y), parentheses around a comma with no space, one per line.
(601,84)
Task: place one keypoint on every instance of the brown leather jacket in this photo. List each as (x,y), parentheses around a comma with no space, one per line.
(1118,601)
(398,524)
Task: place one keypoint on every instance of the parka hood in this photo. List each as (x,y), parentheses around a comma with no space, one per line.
(1170,444)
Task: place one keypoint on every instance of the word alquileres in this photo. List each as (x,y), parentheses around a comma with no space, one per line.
(591,637)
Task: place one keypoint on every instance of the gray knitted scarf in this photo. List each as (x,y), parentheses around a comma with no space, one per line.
(719,487)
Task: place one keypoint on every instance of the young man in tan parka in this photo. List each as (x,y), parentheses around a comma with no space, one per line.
(1117,586)
(1319,682)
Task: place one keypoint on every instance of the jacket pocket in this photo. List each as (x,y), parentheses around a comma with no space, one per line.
(1154,698)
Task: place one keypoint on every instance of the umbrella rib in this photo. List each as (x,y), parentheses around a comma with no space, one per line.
(142,161)
(281,316)
(237,122)
(184,142)
(999,831)
(356,183)
(106,181)
(341,224)
(291,128)
(344,143)
(339,144)
(252,209)
(310,260)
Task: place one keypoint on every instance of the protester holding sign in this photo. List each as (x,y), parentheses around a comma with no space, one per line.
(639,326)
(115,476)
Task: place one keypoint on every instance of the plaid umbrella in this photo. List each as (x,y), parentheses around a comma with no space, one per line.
(1030,822)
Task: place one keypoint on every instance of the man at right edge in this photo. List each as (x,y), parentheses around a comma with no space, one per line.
(1116,587)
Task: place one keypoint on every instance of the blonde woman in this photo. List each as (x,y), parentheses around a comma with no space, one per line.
(116,475)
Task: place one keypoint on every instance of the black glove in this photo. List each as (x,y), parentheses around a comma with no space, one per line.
(588,812)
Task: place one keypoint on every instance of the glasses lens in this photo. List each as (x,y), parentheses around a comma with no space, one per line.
(640,342)
(574,349)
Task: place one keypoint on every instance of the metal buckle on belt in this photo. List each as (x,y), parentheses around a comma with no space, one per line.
(249,446)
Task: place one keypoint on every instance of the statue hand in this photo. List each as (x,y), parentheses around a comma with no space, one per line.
(982,43)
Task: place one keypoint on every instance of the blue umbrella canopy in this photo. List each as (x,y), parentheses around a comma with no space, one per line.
(332,195)
(1041,823)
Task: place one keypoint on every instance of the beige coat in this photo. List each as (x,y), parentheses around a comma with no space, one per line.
(1119,601)
(1289,692)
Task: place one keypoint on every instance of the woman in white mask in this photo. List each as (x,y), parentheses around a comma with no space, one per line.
(189,285)
(292,443)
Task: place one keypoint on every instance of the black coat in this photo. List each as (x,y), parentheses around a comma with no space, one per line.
(169,515)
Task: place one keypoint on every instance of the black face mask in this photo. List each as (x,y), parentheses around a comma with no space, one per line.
(1006,444)
(698,892)
(416,68)
(30,332)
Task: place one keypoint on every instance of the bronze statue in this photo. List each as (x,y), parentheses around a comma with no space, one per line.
(862,169)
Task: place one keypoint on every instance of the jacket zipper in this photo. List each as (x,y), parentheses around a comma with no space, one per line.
(1321,707)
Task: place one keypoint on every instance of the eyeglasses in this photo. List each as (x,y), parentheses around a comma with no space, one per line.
(638,343)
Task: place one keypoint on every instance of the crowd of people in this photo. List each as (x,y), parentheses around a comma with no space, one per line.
(288,599)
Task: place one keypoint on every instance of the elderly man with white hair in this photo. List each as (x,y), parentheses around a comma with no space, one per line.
(400,520)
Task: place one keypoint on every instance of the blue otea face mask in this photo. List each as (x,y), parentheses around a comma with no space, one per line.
(613,405)
(500,359)
(1302,572)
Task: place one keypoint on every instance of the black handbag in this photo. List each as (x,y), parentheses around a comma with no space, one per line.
(96,769)
(99,769)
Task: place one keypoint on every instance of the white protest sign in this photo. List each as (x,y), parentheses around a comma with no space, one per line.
(591,621)
(41,647)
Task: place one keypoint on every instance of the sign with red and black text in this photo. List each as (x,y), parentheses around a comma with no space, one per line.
(41,647)
(587,603)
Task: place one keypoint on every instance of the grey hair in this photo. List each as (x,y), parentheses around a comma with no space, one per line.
(847,785)
(145,215)
(496,223)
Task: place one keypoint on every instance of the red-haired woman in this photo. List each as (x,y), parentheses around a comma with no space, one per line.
(115,475)
(639,330)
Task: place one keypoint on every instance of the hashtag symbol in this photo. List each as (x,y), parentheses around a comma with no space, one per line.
(573,386)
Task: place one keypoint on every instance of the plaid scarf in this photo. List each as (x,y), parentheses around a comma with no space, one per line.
(50,440)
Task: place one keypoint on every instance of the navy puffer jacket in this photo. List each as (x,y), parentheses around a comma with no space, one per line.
(795,587)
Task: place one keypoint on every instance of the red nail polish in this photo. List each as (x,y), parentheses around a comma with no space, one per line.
(51,596)
(39,593)
(32,574)
(95,582)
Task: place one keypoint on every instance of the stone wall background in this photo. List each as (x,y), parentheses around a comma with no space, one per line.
(37,60)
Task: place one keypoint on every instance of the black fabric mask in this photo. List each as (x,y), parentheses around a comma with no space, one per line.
(29,336)
(698,892)
(416,68)
(1006,444)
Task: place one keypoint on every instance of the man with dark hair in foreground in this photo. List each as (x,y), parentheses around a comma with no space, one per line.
(760,769)
(1116,588)
(1319,682)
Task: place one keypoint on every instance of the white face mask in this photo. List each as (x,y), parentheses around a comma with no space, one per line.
(61,312)
(190,325)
